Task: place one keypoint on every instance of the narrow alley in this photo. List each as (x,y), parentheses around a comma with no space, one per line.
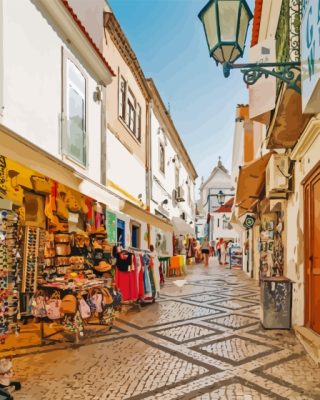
(199,341)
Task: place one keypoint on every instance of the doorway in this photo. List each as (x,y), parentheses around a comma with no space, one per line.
(312,249)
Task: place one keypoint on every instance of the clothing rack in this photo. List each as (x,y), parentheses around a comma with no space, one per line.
(138,250)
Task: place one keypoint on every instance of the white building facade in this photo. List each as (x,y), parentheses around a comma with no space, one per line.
(172,175)
(209,222)
(54,126)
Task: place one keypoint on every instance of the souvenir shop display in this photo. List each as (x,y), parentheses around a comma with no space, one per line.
(10,269)
(270,246)
(75,303)
(135,275)
(235,257)
(33,258)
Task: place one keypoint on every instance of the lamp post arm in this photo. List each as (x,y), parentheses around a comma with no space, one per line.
(288,72)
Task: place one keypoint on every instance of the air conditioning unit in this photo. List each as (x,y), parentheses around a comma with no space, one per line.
(277,177)
(180,194)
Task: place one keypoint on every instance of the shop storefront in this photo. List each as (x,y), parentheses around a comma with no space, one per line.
(60,260)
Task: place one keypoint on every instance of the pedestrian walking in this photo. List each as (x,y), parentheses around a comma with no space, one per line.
(218,249)
(205,249)
(223,251)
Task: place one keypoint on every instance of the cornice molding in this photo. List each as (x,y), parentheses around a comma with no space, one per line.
(65,21)
(119,39)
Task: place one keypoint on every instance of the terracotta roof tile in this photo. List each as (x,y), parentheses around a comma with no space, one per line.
(86,33)
(256,22)
(226,207)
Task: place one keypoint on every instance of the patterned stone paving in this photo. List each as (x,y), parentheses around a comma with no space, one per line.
(186,333)
(204,298)
(166,312)
(200,342)
(234,321)
(236,391)
(235,349)
(233,304)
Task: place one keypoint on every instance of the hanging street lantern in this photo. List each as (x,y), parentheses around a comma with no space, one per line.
(225,24)
(221,197)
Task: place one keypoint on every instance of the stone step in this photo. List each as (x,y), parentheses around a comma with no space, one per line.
(310,340)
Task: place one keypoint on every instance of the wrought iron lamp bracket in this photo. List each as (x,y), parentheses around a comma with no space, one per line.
(289,72)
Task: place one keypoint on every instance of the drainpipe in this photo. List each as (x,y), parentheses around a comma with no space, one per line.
(103,155)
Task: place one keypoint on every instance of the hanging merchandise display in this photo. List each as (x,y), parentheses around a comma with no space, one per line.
(135,275)
(55,259)
(10,268)
(270,246)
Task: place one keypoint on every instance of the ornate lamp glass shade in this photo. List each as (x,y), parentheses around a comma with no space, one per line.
(226,24)
(221,197)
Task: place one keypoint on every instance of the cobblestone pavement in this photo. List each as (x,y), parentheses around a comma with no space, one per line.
(199,342)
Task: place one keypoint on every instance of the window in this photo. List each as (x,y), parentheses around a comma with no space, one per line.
(139,123)
(162,158)
(218,222)
(75,138)
(129,109)
(177,177)
(122,98)
(189,194)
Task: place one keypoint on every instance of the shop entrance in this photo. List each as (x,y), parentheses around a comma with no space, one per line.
(312,249)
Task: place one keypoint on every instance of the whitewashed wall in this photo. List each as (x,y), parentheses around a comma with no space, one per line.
(219,231)
(124,169)
(162,240)
(32,52)
(165,189)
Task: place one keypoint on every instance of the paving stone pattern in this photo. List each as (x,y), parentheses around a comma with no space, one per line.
(201,342)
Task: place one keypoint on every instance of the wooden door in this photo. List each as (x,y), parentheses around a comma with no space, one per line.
(312,250)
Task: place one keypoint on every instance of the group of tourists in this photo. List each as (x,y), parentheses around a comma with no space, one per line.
(219,249)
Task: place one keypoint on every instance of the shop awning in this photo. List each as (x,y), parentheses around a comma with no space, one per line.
(288,122)
(180,227)
(250,182)
(144,216)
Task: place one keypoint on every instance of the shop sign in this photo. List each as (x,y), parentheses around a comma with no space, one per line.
(249,221)
(112,227)
(310,56)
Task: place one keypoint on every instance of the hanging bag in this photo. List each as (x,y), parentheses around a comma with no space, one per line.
(107,299)
(97,301)
(68,304)
(38,305)
(53,306)
(84,309)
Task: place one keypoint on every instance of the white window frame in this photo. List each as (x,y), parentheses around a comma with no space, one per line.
(162,146)
(129,110)
(176,177)
(68,58)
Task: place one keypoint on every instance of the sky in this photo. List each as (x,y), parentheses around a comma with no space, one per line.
(169,41)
